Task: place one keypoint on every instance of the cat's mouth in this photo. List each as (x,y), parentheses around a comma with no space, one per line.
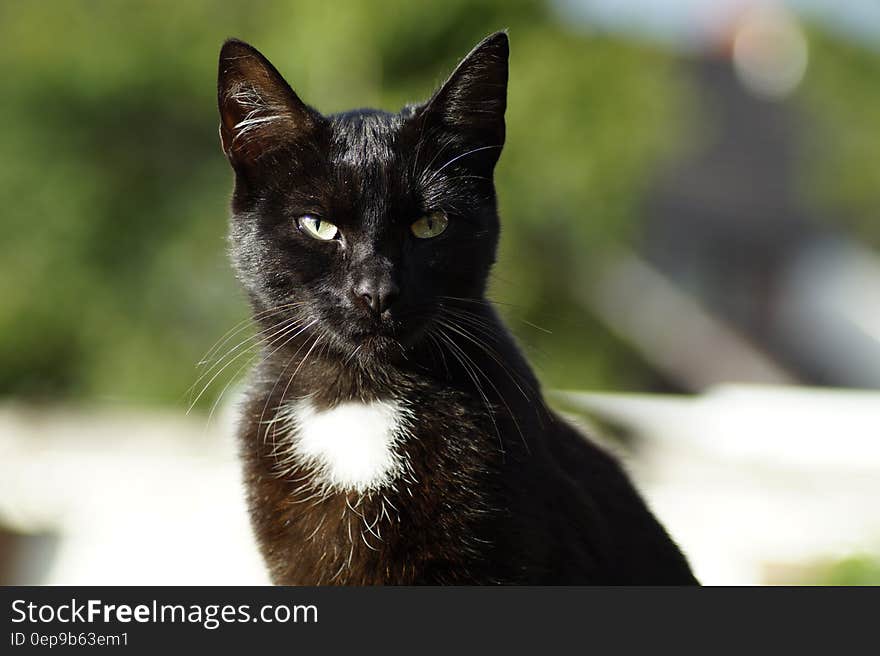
(380,333)
(387,339)
(378,347)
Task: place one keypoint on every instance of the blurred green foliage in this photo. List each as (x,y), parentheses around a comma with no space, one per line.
(841,159)
(861,569)
(113,278)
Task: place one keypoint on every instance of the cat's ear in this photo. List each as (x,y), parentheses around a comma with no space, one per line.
(259,112)
(471,103)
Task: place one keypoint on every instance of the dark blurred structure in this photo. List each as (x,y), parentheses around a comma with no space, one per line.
(23,557)
(724,223)
(728,228)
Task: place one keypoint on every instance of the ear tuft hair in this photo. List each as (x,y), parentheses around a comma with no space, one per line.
(259,112)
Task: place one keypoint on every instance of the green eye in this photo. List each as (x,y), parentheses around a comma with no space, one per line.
(316,228)
(430,225)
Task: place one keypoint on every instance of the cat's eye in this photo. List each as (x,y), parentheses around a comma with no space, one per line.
(317,228)
(430,225)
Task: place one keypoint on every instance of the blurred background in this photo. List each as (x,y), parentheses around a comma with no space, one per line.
(690,198)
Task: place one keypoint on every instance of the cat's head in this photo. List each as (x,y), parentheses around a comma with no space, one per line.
(359,226)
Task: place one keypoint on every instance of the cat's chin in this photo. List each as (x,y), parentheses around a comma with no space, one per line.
(388,340)
(377,348)
(386,344)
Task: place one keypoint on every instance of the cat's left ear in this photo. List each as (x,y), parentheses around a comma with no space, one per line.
(472,102)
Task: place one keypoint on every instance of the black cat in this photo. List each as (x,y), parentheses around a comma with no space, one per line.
(393,433)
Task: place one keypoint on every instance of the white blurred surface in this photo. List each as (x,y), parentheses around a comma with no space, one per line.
(135,497)
(746,478)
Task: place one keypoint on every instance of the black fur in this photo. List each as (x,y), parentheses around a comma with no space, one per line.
(500,489)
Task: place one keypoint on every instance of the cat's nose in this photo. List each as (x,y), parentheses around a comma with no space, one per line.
(376,294)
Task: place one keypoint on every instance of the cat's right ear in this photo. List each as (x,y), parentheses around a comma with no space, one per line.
(259,112)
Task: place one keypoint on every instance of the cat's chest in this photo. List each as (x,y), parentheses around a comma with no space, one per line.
(353,446)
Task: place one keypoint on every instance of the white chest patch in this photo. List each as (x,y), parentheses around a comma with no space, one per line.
(352,446)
